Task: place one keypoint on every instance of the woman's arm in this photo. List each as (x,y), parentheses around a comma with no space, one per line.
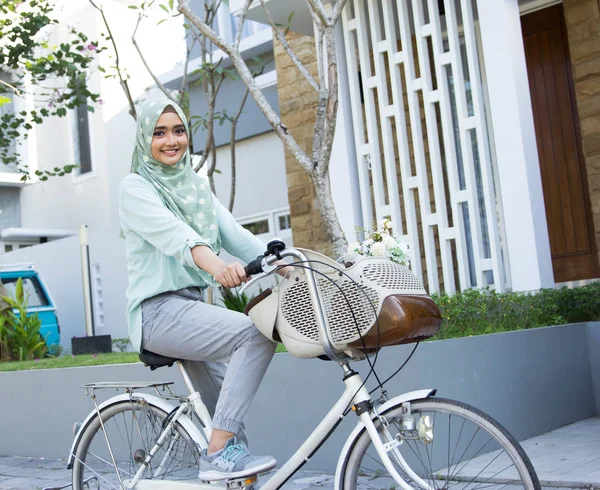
(142,211)
(229,275)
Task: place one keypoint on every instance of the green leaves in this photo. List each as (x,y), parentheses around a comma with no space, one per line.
(20,336)
(475,312)
(234,301)
(28,56)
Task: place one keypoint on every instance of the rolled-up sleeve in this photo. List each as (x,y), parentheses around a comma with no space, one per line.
(235,238)
(143,211)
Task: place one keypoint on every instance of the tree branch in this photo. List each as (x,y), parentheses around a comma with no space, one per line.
(238,35)
(184,80)
(213,165)
(232,142)
(286,46)
(332,102)
(316,7)
(337,10)
(154,77)
(248,79)
(122,81)
(13,88)
(320,121)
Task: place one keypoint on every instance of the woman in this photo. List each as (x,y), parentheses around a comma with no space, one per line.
(174,228)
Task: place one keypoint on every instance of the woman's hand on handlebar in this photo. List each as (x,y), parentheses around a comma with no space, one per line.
(231,275)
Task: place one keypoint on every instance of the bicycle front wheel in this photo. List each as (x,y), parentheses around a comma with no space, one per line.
(132,428)
(443,444)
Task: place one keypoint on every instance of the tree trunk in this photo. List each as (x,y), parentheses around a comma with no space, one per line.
(335,235)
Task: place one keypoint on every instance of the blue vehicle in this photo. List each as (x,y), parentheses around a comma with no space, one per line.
(40,301)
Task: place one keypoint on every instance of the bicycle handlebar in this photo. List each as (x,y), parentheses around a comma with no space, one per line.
(254,266)
(276,251)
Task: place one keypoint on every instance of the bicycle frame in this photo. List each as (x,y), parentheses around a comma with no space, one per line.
(354,395)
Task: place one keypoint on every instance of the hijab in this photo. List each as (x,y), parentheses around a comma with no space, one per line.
(183,192)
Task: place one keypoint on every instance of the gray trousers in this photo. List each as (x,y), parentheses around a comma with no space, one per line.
(225,354)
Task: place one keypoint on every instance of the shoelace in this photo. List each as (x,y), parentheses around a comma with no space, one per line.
(233,452)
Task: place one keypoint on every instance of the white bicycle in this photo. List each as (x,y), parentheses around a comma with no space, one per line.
(144,441)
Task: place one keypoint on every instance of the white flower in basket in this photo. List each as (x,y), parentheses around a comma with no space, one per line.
(379,243)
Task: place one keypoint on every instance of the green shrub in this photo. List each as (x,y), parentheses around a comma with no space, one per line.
(19,333)
(234,301)
(122,345)
(476,312)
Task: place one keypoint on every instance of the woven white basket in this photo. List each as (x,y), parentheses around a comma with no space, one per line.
(288,313)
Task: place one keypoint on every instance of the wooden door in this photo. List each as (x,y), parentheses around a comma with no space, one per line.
(562,166)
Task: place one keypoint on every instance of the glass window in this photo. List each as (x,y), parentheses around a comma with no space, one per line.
(32,288)
(8,248)
(257,227)
(284,222)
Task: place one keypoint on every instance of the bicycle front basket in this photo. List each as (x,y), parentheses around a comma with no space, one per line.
(373,303)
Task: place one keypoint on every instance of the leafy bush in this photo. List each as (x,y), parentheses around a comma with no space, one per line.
(20,334)
(476,312)
(234,301)
(122,345)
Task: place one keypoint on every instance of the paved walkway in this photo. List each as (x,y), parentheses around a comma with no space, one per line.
(566,458)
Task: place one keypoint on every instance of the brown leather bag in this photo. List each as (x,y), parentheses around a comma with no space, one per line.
(403,319)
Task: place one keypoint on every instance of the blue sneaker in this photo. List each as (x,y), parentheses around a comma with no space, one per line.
(233,461)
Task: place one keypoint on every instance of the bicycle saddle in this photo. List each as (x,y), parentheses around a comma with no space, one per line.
(154,361)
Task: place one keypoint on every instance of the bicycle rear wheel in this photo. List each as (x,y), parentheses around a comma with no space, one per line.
(459,447)
(133,427)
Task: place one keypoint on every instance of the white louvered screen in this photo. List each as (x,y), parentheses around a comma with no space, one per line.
(424,158)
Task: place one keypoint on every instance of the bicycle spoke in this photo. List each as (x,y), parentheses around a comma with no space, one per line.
(461,435)
(133,429)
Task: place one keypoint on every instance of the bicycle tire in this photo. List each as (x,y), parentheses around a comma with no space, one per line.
(132,426)
(362,469)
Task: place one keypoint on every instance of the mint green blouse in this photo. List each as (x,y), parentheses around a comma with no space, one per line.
(158,246)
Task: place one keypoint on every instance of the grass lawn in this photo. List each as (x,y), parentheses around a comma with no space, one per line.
(70,361)
(74,361)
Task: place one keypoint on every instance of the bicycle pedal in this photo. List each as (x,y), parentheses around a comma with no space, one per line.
(246,482)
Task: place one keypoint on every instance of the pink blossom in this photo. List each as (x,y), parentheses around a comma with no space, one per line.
(91,47)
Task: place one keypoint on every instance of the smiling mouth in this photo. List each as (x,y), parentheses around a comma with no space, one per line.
(170,152)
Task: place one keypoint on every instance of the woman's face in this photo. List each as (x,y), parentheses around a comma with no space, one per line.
(170,140)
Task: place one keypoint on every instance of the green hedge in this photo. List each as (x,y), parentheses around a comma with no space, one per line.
(476,312)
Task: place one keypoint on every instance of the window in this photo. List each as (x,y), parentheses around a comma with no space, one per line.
(31,287)
(81,140)
(8,248)
(284,222)
(257,227)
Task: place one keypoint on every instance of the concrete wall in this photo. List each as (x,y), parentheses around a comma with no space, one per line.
(594,350)
(10,210)
(531,381)
(260,165)
(252,122)
(59,262)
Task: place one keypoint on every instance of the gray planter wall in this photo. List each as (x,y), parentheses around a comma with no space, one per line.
(531,381)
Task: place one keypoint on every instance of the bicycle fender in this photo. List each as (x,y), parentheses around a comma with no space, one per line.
(349,444)
(158,402)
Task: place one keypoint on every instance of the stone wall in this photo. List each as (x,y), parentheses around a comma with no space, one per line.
(297,105)
(583,27)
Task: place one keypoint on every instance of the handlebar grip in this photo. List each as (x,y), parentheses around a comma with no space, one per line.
(254,267)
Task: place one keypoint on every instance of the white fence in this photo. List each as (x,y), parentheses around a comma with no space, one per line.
(424,155)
